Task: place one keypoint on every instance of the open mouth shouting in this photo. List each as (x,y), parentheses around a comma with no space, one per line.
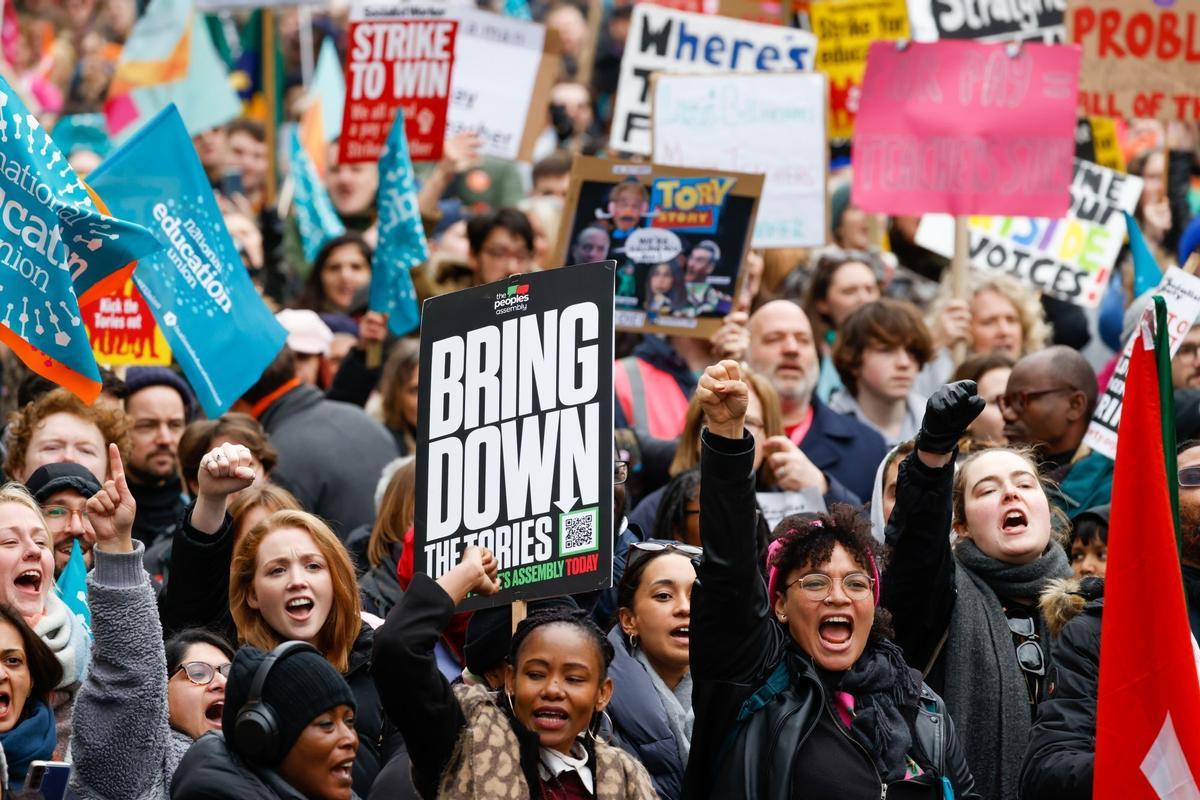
(343,772)
(835,632)
(1015,522)
(29,581)
(299,609)
(213,713)
(550,718)
(5,705)
(681,635)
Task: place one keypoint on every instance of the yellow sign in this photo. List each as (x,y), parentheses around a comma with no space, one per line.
(1104,138)
(844,29)
(123,331)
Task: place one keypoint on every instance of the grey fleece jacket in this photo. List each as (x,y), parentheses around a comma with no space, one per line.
(122,747)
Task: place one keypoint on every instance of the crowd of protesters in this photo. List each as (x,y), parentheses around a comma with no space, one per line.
(256,628)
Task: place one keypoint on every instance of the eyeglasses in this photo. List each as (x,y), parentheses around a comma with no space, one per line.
(620,472)
(1030,657)
(504,254)
(60,516)
(1189,477)
(202,673)
(639,550)
(1018,400)
(818,585)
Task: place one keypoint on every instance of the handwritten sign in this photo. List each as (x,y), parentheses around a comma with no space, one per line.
(966,128)
(1069,258)
(706,121)
(1139,57)
(123,331)
(398,59)
(845,29)
(666,40)
(493,51)
(987,22)
(1181,292)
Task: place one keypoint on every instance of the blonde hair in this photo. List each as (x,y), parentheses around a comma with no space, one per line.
(1035,331)
(17,494)
(687,452)
(396,512)
(341,629)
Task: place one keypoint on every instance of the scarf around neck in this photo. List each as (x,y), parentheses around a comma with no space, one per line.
(676,702)
(883,686)
(986,692)
(32,739)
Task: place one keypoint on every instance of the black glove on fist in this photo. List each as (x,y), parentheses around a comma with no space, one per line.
(947,415)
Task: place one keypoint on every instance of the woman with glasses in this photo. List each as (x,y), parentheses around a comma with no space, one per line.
(968,615)
(142,704)
(287,578)
(798,691)
(651,706)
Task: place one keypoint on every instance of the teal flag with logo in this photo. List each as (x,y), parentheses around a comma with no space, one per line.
(316,218)
(402,244)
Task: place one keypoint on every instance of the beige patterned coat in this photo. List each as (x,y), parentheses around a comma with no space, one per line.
(486,762)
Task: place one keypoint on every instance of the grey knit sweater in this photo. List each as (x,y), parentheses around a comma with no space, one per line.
(122,746)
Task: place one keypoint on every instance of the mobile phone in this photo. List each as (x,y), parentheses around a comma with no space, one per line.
(231,183)
(49,779)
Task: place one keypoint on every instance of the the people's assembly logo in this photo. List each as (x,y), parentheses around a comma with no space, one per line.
(516,298)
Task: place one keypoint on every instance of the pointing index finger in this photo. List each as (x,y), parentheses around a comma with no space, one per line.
(115,467)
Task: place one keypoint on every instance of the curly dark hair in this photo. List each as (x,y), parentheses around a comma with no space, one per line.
(808,541)
(574,617)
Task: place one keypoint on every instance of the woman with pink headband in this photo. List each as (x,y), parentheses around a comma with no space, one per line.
(797,691)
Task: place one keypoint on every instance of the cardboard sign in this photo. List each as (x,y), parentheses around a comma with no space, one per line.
(399,58)
(966,128)
(1069,258)
(678,236)
(845,29)
(665,40)
(123,331)
(704,121)
(769,12)
(1139,57)
(1181,291)
(497,51)
(515,426)
(987,21)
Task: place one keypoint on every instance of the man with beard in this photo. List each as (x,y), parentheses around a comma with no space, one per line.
(159,404)
(823,449)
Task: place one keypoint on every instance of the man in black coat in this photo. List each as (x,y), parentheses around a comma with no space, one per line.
(330,454)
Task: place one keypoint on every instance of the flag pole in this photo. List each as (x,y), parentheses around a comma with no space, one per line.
(958,273)
(269,79)
(1166,393)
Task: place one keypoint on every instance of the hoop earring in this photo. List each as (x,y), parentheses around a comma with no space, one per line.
(595,725)
(633,641)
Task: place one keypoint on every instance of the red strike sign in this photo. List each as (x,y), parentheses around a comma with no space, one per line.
(398,65)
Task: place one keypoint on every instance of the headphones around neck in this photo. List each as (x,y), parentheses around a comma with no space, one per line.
(256,729)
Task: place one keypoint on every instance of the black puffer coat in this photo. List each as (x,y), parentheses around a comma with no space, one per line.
(210,771)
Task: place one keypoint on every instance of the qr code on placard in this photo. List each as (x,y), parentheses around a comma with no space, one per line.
(579,531)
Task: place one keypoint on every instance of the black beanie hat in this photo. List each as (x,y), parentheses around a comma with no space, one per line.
(138,378)
(301,686)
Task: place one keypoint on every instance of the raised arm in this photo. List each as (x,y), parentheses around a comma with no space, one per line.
(197,594)
(731,630)
(919,584)
(121,735)
(415,694)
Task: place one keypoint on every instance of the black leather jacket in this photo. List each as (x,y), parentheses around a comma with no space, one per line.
(757,698)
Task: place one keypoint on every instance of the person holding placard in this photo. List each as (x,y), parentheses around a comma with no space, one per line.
(538,733)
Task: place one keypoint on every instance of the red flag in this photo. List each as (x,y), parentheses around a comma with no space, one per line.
(1148,712)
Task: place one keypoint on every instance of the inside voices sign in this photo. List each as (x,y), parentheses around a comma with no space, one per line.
(961,127)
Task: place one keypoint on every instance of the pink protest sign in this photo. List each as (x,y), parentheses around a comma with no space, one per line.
(962,127)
